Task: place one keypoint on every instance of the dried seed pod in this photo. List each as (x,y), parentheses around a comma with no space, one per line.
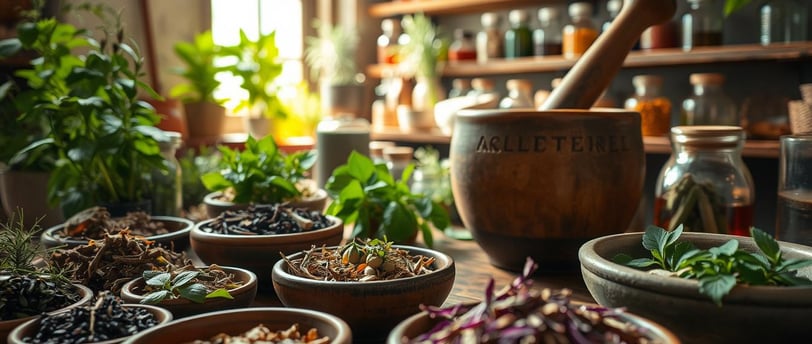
(370,271)
(352,255)
(374,261)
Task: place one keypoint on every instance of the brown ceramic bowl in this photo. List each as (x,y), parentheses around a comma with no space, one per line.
(761,314)
(30,327)
(541,183)
(243,295)
(421,323)
(178,235)
(258,253)
(237,321)
(7,326)
(371,308)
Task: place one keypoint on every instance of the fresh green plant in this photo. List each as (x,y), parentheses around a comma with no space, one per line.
(200,71)
(421,54)
(195,163)
(183,285)
(258,65)
(719,269)
(260,173)
(367,195)
(436,175)
(331,54)
(734,5)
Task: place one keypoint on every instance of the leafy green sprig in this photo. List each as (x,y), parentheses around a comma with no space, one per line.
(183,285)
(718,269)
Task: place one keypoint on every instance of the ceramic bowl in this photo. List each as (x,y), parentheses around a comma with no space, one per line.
(32,326)
(258,253)
(421,323)
(7,326)
(766,314)
(178,235)
(236,321)
(214,204)
(243,295)
(370,308)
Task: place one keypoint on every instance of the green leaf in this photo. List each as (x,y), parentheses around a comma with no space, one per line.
(716,286)
(195,292)
(159,280)
(682,251)
(727,249)
(642,263)
(150,274)
(655,238)
(622,258)
(793,265)
(734,5)
(399,223)
(221,293)
(156,297)
(184,278)
(766,244)
(10,47)
(360,167)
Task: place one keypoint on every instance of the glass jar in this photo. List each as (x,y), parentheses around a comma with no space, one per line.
(518,39)
(459,88)
(580,34)
(702,24)
(661,36)
(519,95)
(489,40)
(783,21)
(705,185)
(547,37)
(463,47)
(167,195)
(388,41)
(654,109)
(709,105)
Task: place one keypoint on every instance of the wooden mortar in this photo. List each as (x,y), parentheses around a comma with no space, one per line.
(541,183)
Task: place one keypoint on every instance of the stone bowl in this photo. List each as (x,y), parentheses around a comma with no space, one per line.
(258,253)
(178,235)
(6,326)
(766,314)
(541,183)
(370,308)
(236,321)
(243,296)
(30,327)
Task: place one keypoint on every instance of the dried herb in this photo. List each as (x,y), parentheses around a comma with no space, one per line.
(189,283)
(267,219)
(262,334)
(359,261)
(93,223)
(108,264)
(695,205)
(105,319)
(718,269)
(519,314)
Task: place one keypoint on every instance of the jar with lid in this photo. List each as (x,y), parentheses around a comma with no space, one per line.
(397,159)
(579,34)
(547,37)
(654,109)
(519,95)
(459,88)
(167,194)
(489,40)
(518,39)
(388,41)
(463,47)
(702,24)
(705,186)
(709,105)
(783,21)
(376,150)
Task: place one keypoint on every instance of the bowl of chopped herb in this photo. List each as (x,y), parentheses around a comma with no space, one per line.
(706,287)
(370,284)
(253,238)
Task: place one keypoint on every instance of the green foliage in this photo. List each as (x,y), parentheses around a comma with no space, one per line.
(719,269)
(194,164)
(200,71)
(436,171)
(164,287)
(379,206)
(258,65)
(734,5)
(260,173)
(423,50)
(331,54)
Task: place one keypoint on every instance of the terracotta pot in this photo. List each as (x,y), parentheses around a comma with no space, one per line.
(540,184)
(7,326)
(28,191)
(205,120)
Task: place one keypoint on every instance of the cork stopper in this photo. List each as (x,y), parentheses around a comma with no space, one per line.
(519,84)
(547,14)
(707,79)
(376,148)
(482,84)
(398,153)
(708,136)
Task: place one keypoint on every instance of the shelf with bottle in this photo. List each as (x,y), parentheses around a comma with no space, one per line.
(650,58)
(393,8)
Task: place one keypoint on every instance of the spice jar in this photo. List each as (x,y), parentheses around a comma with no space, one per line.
(387,41)
(709,105)
(518,40)
(547,37)
(705,185)
(167,195)
(702,24)
(519,95)
(489,40)
(580,34)
(463,47)
(654,109)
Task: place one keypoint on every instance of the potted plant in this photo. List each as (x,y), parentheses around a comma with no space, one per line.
(421,56)
(331,58)
(260,174)
(367,195)
(197,93)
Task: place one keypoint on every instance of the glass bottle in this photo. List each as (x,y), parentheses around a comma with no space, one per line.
(654,109)
(519,95)
(463,47)
(580,34)
(709,105)
(518,40)
(705,185)
(547,37)
(702,24)
(783,21)
(167,195)
(459,88)
(387,41)
(489,40)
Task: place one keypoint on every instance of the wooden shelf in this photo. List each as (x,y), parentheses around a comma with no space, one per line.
(654,58)
(652,144)
(431,7)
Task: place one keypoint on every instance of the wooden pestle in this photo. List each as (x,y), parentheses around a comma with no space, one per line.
(588,78)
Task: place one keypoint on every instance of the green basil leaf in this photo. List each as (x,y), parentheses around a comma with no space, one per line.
(183,278)
(654,238)
(195,292)
(793,265)
(716,286)
(159,280)
(360,166)
(156,297)
(150,274)
(642,263)
(221,293)
(766,244)
(752,274)
(727,249)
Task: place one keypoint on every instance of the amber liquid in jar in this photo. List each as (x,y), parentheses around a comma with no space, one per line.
(655,116)
(739,217)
